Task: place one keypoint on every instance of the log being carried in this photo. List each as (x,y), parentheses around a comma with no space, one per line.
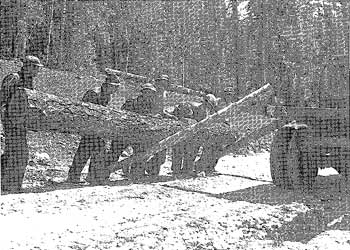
(169,87)
(52,113)
(247,126)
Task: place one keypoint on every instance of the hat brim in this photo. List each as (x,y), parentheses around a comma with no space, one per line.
(114,84)
(38,64)
(151,89)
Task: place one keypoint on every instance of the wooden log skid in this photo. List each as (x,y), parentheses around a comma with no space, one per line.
(250,102)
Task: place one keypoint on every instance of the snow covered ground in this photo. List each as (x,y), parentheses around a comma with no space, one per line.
(238,209)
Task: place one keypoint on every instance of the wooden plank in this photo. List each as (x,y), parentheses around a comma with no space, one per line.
(142,79)
(251,101)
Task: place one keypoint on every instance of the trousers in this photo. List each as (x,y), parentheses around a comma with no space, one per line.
(93,148)
(152,167)
(14,159)
(183,156)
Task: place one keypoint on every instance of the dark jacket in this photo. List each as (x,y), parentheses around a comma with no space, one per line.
(14,103)
(190,111)
(140,105)
(95,96)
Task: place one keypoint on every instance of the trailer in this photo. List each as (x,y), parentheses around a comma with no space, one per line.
(313,133)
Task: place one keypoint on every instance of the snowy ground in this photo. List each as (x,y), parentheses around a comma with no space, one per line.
(237,209)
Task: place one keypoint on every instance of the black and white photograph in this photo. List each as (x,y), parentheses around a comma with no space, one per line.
(175,124)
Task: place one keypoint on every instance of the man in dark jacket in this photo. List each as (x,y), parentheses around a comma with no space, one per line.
(14,118)
(211,150)
(149,102)
(229,96)
(90,146)
(184,153)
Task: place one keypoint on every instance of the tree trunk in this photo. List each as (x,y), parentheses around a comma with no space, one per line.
(52,113)
(235,111)
(49,33)
(62,34)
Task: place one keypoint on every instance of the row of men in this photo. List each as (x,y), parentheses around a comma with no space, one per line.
(14,104)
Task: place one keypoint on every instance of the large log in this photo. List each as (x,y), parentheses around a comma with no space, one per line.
(236,113)
(170,87)
(51,113)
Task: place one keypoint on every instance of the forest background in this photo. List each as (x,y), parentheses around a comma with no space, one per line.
(202,44)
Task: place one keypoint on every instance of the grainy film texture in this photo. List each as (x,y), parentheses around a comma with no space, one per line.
(212,109)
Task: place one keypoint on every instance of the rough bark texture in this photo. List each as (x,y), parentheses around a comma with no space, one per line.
(238,121)
(49,112)
(52,113)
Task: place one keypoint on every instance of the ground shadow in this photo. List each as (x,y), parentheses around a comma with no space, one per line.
(51,186)
(328,203)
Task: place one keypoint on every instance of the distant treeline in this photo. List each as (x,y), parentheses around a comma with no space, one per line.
(199,43)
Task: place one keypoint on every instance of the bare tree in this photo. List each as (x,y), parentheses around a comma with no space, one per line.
(49,32)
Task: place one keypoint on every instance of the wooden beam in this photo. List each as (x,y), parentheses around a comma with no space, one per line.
(142,79)
(250,102)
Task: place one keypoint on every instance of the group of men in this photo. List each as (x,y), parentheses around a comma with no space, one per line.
(14,118)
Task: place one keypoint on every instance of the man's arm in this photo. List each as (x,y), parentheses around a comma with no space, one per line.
(90,96)
(7,85)
(129,105)
(166,114)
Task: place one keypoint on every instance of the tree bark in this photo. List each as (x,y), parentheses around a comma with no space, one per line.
(234,111)
(51,113)
(49,33)
(62,34)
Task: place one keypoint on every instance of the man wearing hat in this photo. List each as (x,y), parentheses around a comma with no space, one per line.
(148,102)
(161,83)
(14,118)
(229,95)
(211,150)
(184,153)
(90,146)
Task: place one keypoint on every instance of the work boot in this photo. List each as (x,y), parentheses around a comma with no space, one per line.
(153,168)
(74,180)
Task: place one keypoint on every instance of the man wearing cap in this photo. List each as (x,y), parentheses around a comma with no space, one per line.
(90,146)
(14,117)
(211,151)
(149,102)
(184,153)
(161,84)
(229,96)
